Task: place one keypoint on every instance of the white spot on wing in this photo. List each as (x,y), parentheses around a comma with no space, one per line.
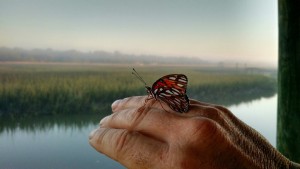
(168,91)
(175,90)
(176,93)
(165,94)
(182,80)
(172,78)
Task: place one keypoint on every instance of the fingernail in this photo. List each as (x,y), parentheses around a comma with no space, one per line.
(115,104)
(103,120)
(92,134)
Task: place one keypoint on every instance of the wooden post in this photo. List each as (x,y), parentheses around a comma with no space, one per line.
(288,119)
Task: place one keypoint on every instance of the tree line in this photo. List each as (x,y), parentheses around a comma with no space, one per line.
(50,55)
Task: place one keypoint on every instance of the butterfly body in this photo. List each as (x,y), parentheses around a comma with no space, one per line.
(171,89)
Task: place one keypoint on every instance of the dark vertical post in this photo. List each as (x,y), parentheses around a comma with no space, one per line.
(288,120)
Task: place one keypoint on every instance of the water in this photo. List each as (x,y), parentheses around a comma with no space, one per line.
(62,143)
(261,115)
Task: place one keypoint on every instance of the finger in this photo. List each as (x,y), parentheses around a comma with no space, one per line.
(131,149)
(131,116)
(197,108)
(154,122)
(139,101)
(135,101)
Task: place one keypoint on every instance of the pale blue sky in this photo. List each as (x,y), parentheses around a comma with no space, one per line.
(210,29)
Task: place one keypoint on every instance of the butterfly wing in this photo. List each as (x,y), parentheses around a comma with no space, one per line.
(172,90)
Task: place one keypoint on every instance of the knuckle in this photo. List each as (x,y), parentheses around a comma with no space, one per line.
(214,113)
(201,128)
(222,108)
(121,142)
(138,115)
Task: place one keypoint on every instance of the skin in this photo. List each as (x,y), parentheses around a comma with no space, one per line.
(142,135)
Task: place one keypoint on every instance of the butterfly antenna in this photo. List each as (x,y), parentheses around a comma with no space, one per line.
(135,73)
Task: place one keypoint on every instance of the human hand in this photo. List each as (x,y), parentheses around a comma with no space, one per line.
(208,136)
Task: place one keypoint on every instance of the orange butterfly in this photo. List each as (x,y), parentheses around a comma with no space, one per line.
(171,89)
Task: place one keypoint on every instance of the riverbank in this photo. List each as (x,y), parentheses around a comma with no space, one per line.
(33,89)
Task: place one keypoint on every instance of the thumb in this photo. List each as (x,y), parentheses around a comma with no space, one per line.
(131,149)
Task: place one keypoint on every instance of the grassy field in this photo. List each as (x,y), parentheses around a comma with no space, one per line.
(33,89)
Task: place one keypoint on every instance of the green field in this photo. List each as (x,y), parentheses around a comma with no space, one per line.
(33,89)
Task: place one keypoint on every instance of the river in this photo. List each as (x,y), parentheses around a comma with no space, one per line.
(48,144)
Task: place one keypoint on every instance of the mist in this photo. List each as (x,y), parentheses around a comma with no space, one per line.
(231,31)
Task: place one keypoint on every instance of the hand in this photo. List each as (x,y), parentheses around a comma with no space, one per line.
(140,135)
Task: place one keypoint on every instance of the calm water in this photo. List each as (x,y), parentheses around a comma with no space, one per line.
(63,143)
(261,115)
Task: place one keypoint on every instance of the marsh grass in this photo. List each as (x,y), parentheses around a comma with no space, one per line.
(32,89)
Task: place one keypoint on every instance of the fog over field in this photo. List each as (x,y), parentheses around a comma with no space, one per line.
(104,57)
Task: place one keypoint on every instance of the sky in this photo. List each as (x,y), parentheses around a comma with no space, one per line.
(217,30)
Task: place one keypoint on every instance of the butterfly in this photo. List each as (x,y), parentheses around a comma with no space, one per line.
(171,89)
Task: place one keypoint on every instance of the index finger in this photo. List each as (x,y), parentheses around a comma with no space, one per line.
(129,102)
(139,101)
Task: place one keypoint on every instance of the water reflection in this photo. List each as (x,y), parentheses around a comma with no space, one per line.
(43,122)
(51,142)
(260,114)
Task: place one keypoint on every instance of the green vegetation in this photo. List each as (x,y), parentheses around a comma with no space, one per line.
(33,89)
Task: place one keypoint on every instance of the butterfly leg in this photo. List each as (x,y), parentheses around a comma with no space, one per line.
(148,98)
(145,102)
(162,105)
(151,97)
